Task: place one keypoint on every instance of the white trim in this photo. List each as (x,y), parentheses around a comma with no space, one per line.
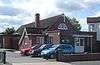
(62,26)
(64,17)
(83,35)
(23,34)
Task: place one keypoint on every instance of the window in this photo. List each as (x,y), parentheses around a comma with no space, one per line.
(40,40)
(26,41)
(50,39)
(99,26)
(62,26)
(79,41)
(92,27)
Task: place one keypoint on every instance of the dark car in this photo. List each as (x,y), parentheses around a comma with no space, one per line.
(35,47)
(50,52)
(37,52)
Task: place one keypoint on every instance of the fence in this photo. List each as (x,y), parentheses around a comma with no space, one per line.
(78,57)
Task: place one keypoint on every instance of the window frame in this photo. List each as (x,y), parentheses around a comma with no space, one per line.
(92,27)
(62,26)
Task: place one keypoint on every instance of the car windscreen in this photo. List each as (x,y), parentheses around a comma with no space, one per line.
(55,46)
(42,46)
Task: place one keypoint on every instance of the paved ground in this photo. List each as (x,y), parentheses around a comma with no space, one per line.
(43,63)
(17,59)
(86,63)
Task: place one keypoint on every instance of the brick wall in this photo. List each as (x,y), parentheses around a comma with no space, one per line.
(78,57)
(55,36)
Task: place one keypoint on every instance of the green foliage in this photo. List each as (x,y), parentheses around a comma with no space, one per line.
(9,30)
(75,24)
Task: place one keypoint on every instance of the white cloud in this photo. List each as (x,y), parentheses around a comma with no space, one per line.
(70,5)
(1,4)
(84,24)
(92,1)
(96,14)
(46,8)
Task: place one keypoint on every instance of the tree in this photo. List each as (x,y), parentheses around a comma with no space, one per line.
(75,24)
(9,30)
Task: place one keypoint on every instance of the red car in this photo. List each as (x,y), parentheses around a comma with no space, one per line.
(25,51)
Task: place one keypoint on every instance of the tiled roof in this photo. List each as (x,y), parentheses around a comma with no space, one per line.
(93,19)
(45,23)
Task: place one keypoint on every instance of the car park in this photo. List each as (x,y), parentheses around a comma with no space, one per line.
(37,52)
(50,52)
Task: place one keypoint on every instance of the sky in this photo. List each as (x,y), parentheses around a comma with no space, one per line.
(14,13)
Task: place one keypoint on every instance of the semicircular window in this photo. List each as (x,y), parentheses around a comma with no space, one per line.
(62,26)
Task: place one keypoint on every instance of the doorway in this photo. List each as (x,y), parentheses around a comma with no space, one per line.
(79,45)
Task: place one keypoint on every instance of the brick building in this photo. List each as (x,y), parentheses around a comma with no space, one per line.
(57,29)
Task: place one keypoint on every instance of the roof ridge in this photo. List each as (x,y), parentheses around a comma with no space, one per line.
(46,18)
(53,16)
(94,17)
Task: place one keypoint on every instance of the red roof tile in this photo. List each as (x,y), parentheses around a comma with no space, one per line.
(46,23)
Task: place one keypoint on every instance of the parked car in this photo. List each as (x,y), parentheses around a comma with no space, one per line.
(35,47)
(26,51)
(37,52)
(50,52)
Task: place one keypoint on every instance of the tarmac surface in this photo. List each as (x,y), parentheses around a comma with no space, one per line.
(15,58)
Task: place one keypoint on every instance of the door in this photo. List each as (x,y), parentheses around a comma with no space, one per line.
(79,45)
(40,40)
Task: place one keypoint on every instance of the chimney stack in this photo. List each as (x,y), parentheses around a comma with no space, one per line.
(37,20)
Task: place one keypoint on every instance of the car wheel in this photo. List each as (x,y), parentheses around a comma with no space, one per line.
(45,57)
(52,56)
